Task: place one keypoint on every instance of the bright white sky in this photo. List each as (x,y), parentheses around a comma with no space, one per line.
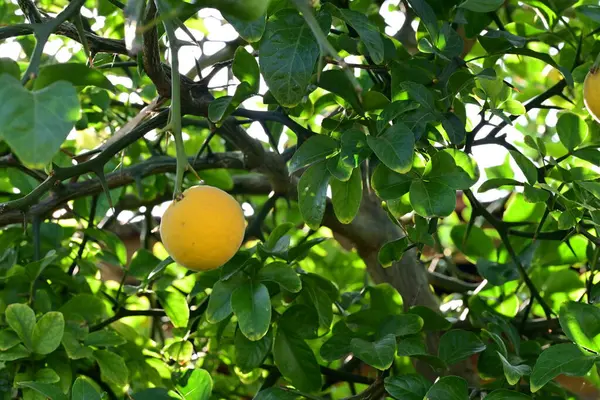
(221,32)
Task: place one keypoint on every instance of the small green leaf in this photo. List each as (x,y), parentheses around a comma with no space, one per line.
(250,354)
(250,31)
(581,323)
(143,263)
(476,245)
(300,319)
(176,306)
(8,339)
(565,358)
(319,297)
(21,318)
(432,199)
(496,183)
(346,197)
(35,124)
(10,67)
(526,166)
(46,375)
(77,74)
(448,388)
(354,147)
(282,274)
(287,56)
(505,394)
(83,390)
(392,251)
(48,333)
(432,321)
(180,351)
(427,15)
(401,325)
(219,302)
(296,361)
(572,130)
(88,306)
(513,373)
(112,367)
(482,6)
(14,353)
(197,385)
(535,195)
(252,306)
(379,354)
(316,148)
(513,107)
(389,185)
(457,345)
(395,147)
(219,108)
(104,338)
(245,68)
(312,194)
(51,392)
(275,393)
(455,128)
(407,387)
(336,81)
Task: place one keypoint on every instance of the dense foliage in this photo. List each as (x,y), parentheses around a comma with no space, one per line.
(387,254)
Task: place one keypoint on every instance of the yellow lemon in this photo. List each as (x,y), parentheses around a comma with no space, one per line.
(204,229)
(591,93)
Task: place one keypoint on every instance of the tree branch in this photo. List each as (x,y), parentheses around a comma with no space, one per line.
(123,312)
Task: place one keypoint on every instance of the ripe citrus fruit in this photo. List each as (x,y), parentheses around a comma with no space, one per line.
(591,93)
(204,229)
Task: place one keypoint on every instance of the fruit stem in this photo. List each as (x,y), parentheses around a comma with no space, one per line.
(175,113)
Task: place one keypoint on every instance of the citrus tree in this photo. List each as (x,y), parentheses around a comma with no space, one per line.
(359,199)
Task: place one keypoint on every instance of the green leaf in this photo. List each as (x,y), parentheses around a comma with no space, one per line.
(565,358)
(482,6)
(198,385)
(21,318)
(513,373)
(175,306)
(159,268)
(354,147)
(407,387)
(432,321)
(321,300)
(476,245)
(83,390)
(367,32)
(513,107)
(427,16)
(287,56)
(442,168)
(312,194)
(338,345)
(457,345)
(245,68)
(155,394)
(421,94)
(455,129)
(300,319)
(104,338)
(46,375)
(219,302)
(296,361)
(496,183)
(389,185)
(392,251)
(339,169)
(395,147)
(432,199)
(336,81)
(143,263)
(112,367)
(250,31)
(374,100)
(278,242)
(14,353)
(346,197)
(220,108)
(275,393)
(282,274)
(180,351)
(379,354)
(48,333)
(35,124)
(250,354)
(316,148)
(572,130)
(505,394)
(581,323)
(77,74)
(393,111)
(251,305)
(526,166)
(8,339)
(401,325)
(535,195)
(88,306)
(51,392)
(448,388)
(10,67)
